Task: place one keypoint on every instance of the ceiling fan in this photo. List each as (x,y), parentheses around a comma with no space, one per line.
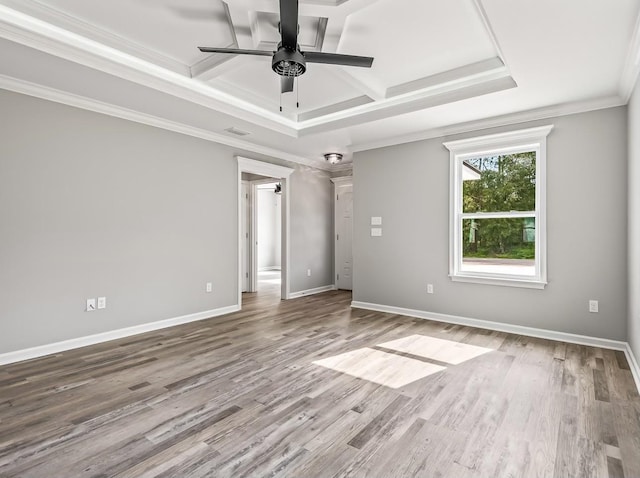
(289,61)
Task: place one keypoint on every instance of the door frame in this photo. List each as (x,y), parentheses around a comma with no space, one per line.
(344,181)
(281,173)
(245,223)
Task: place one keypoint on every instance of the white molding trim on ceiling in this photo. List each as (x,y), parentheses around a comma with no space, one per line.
(492,67)
(72,24)
(34,33)
(373,92)
(70,99)
(488,28)
(408,103)
(335,107)
(631,70)
(203,68)
(251,97)
(494,122)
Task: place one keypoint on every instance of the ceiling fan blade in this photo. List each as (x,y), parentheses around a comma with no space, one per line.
(234,51)
(289,23)
(337,59)
(286,84)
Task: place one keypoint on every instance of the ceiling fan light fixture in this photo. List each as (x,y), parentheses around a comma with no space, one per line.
(287,62)
(333,158)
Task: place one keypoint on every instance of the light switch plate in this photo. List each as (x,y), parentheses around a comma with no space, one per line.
(376,232)
(91,305)
(376,220)
(102,302)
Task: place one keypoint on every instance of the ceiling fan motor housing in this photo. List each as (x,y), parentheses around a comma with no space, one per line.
(287,62)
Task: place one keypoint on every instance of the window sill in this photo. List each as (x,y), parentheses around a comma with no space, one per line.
(524,283)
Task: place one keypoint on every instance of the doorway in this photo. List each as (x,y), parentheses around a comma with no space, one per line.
(254,177)
(268,234)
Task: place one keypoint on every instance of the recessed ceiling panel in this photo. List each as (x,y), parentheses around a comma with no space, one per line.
(268,34)
(412,40)
(173,28)
(320,87)
(317,88)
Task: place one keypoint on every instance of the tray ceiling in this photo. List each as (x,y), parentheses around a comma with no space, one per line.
(432,57)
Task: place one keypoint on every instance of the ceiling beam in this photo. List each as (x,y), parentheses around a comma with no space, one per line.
(207,68)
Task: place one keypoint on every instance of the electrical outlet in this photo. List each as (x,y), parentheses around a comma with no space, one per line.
(91,305)
(209,287)
(593,306)
(429,288)
(102,302)
(308,272)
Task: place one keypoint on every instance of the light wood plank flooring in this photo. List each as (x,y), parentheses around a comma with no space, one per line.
(308,388)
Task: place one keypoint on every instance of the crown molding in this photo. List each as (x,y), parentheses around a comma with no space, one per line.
(80,48)
(54,16)
(632,65)
(82,102)
(335,107)
(494,122)
(523,135)
(34,33)
(424,99)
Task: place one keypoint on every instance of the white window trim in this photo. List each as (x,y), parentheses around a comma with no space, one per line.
(532,139)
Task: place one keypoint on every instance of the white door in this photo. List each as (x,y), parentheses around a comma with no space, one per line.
(246,217)
(344,233)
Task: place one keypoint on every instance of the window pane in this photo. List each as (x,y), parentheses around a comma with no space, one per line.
(499,183)
(500,246)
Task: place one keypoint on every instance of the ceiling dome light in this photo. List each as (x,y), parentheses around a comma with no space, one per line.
(333,158)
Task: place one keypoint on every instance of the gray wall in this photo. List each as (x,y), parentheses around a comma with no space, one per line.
(311,213)
(634,221)
(92,205)
(408,185)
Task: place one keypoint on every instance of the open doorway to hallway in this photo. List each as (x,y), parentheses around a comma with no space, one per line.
(262,233)
(268,246)
(263,228)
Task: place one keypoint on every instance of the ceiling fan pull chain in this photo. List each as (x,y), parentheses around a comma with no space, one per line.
(280,102)
(298,93)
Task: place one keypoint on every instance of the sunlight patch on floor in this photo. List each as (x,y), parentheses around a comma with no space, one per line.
(386,369)
(395,371)
(436,349)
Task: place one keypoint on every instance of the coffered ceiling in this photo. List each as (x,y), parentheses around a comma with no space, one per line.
(440,65)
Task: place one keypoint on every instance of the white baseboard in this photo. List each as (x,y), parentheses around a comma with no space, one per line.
(633,365)
(317,290)
(57,347)
(498,326)
(269,268)
(514,329)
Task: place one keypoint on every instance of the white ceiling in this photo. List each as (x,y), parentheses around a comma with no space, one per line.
(440,66)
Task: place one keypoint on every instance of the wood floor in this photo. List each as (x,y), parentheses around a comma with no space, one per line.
(240,395)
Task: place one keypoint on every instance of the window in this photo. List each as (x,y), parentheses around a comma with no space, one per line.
(497,208)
